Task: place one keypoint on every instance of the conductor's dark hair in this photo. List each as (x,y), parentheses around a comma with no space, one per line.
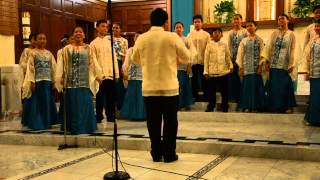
(158,17)
(197,16)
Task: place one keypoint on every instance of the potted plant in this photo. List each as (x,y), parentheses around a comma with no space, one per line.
(303,8)
(224,11)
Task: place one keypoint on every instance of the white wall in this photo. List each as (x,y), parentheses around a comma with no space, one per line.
(7,56)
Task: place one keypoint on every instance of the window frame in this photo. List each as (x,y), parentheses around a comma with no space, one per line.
(250,8)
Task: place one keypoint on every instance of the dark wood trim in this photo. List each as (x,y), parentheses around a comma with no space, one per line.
(134,16)
(197,7)
(97,2)
(279,7)
(9,17)
(138,3)
(250,9)
(56,17)
(168,3)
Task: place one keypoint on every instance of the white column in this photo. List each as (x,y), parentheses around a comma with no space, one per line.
(7,56)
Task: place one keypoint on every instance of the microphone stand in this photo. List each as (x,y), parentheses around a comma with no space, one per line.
(65,144)
(114,175)
(64,96)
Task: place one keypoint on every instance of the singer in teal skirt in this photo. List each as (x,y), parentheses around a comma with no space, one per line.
(185,91)
(133,106)
(249,59)
(312,68)
(186,98)
(281,93)
(78,99)
(39,111)
(79,111)
(280,55)
(312,115)
(252,95)
(79,86)
(234,39)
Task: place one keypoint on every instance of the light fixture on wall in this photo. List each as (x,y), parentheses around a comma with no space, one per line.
(26,30)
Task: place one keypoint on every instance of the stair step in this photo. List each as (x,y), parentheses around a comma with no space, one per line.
(288,119)
(201,106)
(228,147)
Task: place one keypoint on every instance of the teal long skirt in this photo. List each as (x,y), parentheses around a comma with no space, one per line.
(313,112)
(280,90)
(39,111)
(252,93)
(133,105)
(79,111)
(185,91)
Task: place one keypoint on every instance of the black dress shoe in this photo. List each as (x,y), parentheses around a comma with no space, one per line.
(168,159)
(209,110)
(157,158)
(98,120)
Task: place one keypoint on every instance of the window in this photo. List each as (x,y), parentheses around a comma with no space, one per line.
(258,10)
(264,10)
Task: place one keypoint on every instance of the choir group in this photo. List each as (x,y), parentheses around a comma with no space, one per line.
(246,70)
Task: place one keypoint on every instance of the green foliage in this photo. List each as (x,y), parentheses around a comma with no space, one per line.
(224,11)
(303,8)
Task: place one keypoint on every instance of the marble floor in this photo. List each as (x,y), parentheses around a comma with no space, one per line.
(17,159)
(288,128)
(210,146)
(46,163)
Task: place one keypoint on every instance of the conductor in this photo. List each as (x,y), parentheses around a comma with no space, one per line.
(159,52)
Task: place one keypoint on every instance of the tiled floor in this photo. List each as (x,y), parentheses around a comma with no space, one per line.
(140,166)
(237,126)
(43,162)
(15,159)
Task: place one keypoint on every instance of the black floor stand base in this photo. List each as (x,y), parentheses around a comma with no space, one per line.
(66,146)
(120,175)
